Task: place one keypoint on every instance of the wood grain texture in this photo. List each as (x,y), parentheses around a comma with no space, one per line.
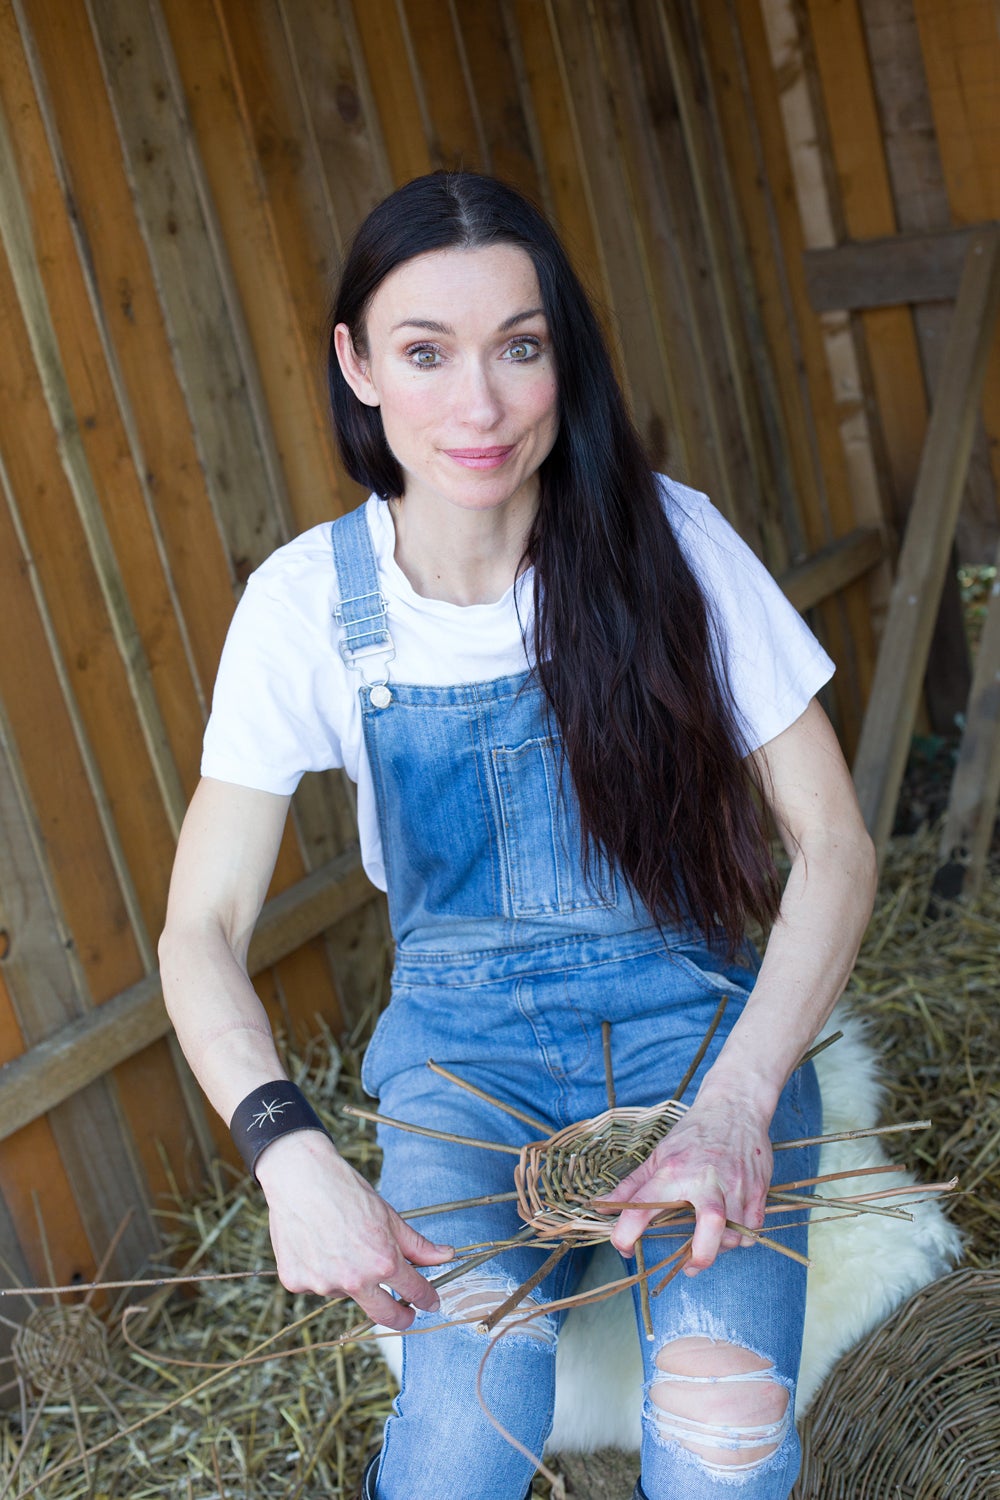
(194,280)
(917,178)
(888,351)
(846,621)
(506,128)
(47,988)
(833,567)
(887,270)
(85,1046)
(388,56)
(960,44)
(83,138)
(284,352)
(924,556)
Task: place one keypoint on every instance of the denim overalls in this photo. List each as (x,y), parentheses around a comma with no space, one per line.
(508,961)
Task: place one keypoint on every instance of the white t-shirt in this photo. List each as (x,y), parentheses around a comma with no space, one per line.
(286,703)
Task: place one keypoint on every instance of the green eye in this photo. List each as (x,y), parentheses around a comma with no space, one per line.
(522,350)
(424,357)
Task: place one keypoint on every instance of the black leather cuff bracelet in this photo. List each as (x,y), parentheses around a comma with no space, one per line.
(275,1109)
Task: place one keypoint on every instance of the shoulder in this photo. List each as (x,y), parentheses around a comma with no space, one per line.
(701,529)
(307,560)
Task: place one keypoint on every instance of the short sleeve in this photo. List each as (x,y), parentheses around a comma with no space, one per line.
(267,727)
(773,662)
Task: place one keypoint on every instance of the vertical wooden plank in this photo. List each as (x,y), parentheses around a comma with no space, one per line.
(78,562)
(282,228)
(441,77)
(41,504)
(24,257)
(74,724)
(960,41)
(337,109)
(30,1164)
(820,213)
(890,337)
(285,352)
(642,356)
(921,202)
(866,201)
(768,291)
(568,201)
(388,60)
(491,59)
(208,332)
(678,117)
(743,78)
(46,986)
(85,148)
(194,280)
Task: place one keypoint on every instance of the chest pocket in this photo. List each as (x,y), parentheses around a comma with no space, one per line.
(540,835)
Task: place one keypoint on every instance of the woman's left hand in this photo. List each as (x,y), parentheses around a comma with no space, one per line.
(717,1159)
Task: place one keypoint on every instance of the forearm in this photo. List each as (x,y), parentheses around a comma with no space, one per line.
(825,909)
(220,1022)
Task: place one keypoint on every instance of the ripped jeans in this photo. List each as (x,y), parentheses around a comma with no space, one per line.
(720,1371)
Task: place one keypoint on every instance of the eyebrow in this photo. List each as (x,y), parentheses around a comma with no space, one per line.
(432,327)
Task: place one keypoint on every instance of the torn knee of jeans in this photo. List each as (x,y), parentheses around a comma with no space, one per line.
(725,1404)
(475,1299)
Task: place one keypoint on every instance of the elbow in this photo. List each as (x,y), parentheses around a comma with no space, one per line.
(870,862)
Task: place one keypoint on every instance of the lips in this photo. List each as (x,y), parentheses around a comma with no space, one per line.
(480,458)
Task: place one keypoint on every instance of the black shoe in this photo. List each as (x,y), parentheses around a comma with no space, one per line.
(367,1491)
(638,1493)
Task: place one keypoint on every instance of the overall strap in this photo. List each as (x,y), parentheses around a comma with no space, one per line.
(365,643)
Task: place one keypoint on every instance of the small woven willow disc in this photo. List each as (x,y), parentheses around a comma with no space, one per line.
(61,1350)
(556,1179)
(913,1413)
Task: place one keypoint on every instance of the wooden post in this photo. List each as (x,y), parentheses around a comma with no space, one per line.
(888,723)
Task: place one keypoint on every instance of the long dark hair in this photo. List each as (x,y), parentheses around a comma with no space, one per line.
(623,639)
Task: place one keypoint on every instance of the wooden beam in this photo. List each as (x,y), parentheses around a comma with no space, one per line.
(890,271)
(833,567)
(902,658)
(83,1050)
(975,786)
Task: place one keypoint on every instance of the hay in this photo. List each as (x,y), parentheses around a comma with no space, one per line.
(931,990)
(301,1428)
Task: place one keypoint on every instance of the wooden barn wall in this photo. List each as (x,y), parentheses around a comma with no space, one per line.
(177,181)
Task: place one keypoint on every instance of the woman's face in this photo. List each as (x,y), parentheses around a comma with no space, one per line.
(460,364)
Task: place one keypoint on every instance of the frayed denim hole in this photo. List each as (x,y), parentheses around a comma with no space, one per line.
(703,1439)
(471,1299)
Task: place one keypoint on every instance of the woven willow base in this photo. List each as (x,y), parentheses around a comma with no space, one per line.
(913,1413)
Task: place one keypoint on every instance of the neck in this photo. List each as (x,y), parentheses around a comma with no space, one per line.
(460,556)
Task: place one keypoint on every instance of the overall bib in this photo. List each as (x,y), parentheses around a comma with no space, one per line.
(509,957)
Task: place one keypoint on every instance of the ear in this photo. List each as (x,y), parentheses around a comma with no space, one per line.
(353,368)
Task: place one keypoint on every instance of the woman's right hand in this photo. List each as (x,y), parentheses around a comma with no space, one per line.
(333,1234)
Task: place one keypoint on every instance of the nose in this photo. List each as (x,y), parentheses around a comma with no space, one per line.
(479,405)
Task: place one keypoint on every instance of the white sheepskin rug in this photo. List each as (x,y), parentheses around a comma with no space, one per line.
(862,1269)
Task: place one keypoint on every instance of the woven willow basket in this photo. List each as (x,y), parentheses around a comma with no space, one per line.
(913,1412)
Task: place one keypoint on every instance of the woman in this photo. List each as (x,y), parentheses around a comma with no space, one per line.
(559,683)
